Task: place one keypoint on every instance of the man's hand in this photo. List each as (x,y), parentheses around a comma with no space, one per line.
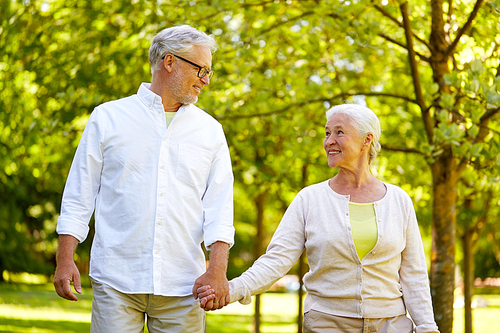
(206,294)
(215,278)
(66,270)
(64,275)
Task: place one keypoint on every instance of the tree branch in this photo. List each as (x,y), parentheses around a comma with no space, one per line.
(278,24)
(390,39)
(318,100)
(488,115)
(465,27)
(256,4)
(395,20)
(415,75)
(401,149)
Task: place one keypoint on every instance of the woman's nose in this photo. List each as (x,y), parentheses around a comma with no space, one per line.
(330,141)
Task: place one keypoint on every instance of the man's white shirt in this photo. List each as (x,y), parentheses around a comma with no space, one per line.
(157,193)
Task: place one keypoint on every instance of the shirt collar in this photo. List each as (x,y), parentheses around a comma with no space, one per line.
(149,98)
(152,100)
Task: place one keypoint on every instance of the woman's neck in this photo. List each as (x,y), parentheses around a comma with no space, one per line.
(361,187)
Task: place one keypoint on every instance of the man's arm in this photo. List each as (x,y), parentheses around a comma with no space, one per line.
(215,276)
(66,270)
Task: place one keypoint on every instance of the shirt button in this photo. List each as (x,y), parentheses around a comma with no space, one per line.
(162,167)
(159,223)
(161,194)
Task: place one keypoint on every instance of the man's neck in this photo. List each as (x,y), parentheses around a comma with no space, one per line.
(169,105)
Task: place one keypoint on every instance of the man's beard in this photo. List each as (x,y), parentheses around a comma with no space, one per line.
(179,90)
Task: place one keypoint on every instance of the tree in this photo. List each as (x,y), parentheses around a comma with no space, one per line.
(428,69)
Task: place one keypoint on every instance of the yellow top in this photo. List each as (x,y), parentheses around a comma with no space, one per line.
(364,227)
(169,116)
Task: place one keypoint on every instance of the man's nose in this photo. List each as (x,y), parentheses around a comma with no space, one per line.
(205,80)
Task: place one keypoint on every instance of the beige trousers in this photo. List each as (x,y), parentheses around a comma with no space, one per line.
(319,322)
(113,311)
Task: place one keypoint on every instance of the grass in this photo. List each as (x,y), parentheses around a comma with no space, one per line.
(37,308)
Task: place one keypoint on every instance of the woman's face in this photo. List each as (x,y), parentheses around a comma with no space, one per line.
(343,147)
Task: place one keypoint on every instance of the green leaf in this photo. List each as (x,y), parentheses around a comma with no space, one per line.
(492,97)
(473,131)
(447,101)
(476,66)
(476,149)
(443,116)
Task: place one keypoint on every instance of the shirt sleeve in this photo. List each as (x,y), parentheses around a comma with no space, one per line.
(285,248)
(414,278)
(83,184)
(218,198)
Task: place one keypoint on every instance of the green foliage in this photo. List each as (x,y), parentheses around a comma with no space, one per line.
(279,66)
(35,308)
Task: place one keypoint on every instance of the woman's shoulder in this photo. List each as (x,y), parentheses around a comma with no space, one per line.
(395,192)
(315,193)
(314,189)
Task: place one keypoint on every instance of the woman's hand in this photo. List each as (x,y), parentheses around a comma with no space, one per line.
(207,299)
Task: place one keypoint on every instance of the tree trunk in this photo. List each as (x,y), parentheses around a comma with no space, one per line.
(302,260)
(257,314)
(260,201)
(443,240)
(468,277)
(301,293)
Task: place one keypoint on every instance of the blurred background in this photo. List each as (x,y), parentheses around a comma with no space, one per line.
(429,70)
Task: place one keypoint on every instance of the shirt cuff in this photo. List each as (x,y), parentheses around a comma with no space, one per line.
(70,227)
(219,234)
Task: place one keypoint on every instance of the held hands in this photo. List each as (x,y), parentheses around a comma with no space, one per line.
(206,295)
(213,283)
(212,290)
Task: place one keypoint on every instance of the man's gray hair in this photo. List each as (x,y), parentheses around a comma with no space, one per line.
(364,121)
(177,40)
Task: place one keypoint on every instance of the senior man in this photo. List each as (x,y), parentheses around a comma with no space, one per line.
(156,172)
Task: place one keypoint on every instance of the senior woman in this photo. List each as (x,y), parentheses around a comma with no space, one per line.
(365,253)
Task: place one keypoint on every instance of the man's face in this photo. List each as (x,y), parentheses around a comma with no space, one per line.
(186,85)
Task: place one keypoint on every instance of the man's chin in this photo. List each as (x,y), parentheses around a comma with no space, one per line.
(190,100)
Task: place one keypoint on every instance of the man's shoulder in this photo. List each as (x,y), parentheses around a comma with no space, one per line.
(202,114)
(117,103)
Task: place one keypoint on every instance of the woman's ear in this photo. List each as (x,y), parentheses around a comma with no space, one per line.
(368,140)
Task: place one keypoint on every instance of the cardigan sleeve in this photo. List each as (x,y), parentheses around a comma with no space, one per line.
(414,278)
(285,248)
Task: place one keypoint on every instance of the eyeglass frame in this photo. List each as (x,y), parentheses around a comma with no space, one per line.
(208,72)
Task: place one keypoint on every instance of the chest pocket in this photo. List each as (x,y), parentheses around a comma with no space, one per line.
(193,164)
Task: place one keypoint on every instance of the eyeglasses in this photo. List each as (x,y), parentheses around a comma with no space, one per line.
(202,71)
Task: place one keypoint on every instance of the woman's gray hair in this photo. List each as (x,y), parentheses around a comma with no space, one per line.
(364,120)
(177,40)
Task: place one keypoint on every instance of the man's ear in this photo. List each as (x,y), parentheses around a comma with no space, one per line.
(168,60)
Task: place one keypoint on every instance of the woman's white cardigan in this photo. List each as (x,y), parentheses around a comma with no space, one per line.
(390,279)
